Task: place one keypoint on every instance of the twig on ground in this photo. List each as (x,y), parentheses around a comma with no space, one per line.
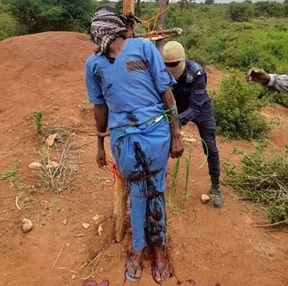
(7,197)
(57,257)
(4,231)
(85,144)
(16,202)
(272,224)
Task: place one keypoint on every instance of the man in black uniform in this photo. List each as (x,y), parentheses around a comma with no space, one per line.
(194,104)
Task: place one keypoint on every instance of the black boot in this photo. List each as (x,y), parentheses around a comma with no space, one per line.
(215,191)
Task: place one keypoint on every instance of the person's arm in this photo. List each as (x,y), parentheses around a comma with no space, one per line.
(278,82)
(198,95)
(274,81)
(95,96)
(101,118)
(177,148)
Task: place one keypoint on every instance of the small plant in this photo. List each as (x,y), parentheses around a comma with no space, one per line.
(86,107)
(61,132)
(176,197)
(38,121)
(235,150)
(9,175)
(262,179)
(57,166)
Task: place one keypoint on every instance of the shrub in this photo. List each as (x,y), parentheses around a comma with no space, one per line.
(237,109)
(39,15)
(239,12)
(262,178)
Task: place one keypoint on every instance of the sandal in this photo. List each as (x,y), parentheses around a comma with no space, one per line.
(135,268)
(161,270)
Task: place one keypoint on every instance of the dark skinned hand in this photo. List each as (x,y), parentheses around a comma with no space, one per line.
(101,158)
(177,147)
(257,75)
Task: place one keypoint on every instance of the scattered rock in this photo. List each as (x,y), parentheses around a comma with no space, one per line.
(73,277)
(35,165)
(205,199)
(100,229)
(97,218)
(65,221)
(27,225)
(51,139)
(85,225)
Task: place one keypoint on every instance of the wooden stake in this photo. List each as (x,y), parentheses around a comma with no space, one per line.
(120,208)
(120,193)
(160,23)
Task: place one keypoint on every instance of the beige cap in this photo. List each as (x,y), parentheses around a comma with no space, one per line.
(174,52)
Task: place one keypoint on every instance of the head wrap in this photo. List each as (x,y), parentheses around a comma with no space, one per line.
(106,25)
(174,52)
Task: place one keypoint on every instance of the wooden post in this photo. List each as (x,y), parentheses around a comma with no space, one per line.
(120,208)
(129,7)
(160,23)
(120,192)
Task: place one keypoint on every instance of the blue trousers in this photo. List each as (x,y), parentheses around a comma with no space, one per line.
(141,154)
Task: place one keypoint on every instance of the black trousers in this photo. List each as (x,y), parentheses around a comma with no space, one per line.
(207,131)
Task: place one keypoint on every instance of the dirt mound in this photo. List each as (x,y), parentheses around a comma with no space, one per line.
(45,73)
(38,69)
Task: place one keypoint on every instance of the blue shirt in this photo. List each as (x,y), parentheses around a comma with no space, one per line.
(132,85)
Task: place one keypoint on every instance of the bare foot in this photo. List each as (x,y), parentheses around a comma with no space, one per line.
(161,271)
(133,265)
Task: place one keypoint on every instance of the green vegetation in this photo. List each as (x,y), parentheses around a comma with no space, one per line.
(9,175)
(262,178)
(229,44)
(237,109)
(34,16)
(38,121)
(240,36)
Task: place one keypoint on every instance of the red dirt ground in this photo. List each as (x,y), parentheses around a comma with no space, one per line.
(208,247)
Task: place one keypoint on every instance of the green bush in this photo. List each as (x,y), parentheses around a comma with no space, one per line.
(280,98)
(237,109)
(262,178)
(8,26)
(240,12)
(51,15)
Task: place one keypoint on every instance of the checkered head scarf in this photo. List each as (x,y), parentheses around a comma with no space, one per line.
(106,25)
